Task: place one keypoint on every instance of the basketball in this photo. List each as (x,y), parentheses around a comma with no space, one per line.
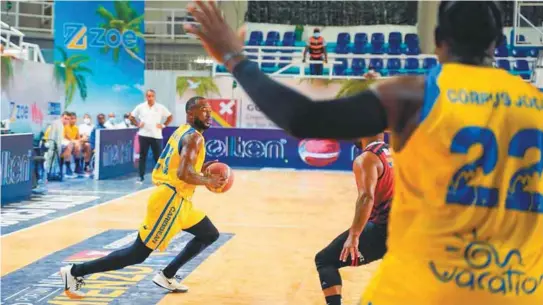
(319,153)
(222,169)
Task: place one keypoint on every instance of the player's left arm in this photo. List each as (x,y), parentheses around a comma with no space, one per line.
(366,169)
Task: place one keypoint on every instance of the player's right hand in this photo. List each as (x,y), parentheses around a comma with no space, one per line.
(216,181)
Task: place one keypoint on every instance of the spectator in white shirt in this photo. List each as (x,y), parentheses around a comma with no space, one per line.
(126,123)
(148,116)
(86,128)
(111,121)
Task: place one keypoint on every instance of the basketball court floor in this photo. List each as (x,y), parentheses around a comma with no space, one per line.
(272,224)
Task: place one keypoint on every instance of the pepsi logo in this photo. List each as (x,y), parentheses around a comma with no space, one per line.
(319,153)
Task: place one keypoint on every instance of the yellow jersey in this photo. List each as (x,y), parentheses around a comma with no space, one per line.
(466,227)
(71,132)
(165,171)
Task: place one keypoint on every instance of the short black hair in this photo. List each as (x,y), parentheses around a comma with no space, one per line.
(191,102)
(100,115)
(469,27)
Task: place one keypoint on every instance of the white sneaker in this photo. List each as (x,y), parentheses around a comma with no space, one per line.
(72,284)
(170,284)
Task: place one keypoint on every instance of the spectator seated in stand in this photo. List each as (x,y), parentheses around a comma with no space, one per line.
(100,124)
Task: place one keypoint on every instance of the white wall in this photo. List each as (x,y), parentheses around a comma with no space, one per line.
(164,84)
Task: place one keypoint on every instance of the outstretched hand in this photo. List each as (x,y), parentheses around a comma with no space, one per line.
(218,39)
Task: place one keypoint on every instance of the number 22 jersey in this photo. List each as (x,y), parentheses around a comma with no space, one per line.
(466,225)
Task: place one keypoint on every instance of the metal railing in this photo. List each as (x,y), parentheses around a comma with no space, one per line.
(169,24)
(297,61)
(177,61)
(41,22)
(21,49)
(160,23)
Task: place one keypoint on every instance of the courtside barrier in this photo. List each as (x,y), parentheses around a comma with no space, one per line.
(16,166)
(273,148)
(114,153)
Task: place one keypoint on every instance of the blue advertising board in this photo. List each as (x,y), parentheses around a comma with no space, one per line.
(16,166)
(273,148)
(115,150)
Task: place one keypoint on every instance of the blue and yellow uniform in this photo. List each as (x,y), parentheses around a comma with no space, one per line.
(170,209)
(466,227)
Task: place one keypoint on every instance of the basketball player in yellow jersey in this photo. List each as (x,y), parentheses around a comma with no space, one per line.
(466,224)
(169,210)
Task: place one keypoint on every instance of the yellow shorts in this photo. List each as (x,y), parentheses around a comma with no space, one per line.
(167,214)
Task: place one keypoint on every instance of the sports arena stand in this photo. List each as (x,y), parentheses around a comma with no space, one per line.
(363,36)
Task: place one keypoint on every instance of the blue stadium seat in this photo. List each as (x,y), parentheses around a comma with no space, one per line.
(268,64)
(394,65)
(358,66)
(273,36)
(394,48)
(524,52)
(429,63)
(395,37)
(271,43)
(340,69)
(412,50)
(255,38)
(521,65)
(343,38)
(376,64)
(361,39)
(501,51)
(503,64)
(359,49)
(411,65)
(288,41)
(377,43)
(412,40)
(342,49)
(289,36)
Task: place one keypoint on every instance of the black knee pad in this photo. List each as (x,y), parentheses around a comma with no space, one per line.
(329,276)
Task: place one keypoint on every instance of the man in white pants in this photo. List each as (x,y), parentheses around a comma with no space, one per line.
(149,117)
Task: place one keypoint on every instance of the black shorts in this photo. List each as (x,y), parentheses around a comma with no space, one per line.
(371,245)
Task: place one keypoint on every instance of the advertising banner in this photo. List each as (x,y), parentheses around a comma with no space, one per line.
(248,116)
(224,112)
(273,148)
(100,55)
(16,166)
(115,151)
(31,98)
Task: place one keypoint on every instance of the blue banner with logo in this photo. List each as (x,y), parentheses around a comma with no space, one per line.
(273,148)
(16,166)
(114,153)
(100,55)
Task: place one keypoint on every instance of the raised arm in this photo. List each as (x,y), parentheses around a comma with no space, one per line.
(364,114)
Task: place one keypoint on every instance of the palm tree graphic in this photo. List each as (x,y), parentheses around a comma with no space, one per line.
(125,19)
(70,71)
(201,86)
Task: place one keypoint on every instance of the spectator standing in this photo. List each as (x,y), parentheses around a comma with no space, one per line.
(317,51)
(148,116)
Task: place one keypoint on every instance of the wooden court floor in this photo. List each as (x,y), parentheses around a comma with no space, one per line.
(280,220)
